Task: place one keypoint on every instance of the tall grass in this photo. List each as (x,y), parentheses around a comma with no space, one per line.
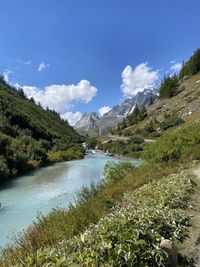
(91,205)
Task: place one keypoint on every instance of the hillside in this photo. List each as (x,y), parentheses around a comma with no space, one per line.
(185,105)
(31,136)
(160,117)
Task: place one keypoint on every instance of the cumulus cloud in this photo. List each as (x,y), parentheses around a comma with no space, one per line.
(6,74)
(176,67)
(138,79)
(58,97)
(61,97)
(104,110)
(72,117)
(43,66)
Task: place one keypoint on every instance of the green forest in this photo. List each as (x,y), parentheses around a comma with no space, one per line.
(31,136)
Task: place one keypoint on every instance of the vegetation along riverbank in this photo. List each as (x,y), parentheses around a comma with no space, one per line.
(31,136)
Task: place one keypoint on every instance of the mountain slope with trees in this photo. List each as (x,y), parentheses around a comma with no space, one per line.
(31,136)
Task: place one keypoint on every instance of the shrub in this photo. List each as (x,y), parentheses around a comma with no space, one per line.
(4,171)
(173,145)
(170,121)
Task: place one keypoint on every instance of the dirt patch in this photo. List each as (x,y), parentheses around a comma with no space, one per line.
(191,246)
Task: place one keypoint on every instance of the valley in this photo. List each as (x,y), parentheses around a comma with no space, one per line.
(138,205)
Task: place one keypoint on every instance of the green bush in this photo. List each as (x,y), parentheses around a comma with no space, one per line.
(4,171)
(170,121)
(173,145)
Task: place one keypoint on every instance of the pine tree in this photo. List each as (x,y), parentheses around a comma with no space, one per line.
(168,86)
(192,66)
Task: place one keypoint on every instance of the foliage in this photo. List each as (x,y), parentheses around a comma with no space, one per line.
(91,142)
(136,116)
(128,147)
(89,208)
(173,145)
(29,134)
(57,156)
(168,86)
(192,66)
(131,234)
(148,131)
(170,121)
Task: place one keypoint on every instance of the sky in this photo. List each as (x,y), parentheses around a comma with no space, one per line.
(79,56)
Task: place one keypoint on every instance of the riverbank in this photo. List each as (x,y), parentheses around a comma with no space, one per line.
(46,188)
(51,158)
(90,206)
(132,233)
(167,157)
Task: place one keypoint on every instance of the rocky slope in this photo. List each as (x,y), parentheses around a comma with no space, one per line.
(93,125)
(185,104)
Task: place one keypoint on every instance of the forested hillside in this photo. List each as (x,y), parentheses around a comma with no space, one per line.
(31,136)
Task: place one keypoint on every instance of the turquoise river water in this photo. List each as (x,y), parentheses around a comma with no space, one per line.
(49,187)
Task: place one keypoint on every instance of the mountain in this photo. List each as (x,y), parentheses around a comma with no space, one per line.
(93,125)
(31,136)
(87,121)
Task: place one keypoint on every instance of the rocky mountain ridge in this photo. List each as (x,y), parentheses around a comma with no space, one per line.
(93,125)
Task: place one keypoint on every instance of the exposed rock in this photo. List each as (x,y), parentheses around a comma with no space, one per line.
(91,124)
(168,247)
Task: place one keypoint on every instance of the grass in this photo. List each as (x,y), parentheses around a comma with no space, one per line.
(59,224)
(130,235)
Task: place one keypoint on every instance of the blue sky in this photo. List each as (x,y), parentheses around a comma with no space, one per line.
(82,55)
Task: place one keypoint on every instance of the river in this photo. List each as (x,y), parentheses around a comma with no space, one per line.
(41,190)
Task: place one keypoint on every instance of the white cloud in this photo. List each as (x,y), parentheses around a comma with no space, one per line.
(104,110)
(28,62)
(6,74)
(43,66)
(176,67)
(72,117)
(58,97)
(138,79)
(61,97)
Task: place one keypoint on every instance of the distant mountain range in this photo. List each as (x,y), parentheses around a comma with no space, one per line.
(93,125)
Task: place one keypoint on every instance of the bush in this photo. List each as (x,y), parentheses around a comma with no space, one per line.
(173,145)
(91,142)
(4,171)
(170,121)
